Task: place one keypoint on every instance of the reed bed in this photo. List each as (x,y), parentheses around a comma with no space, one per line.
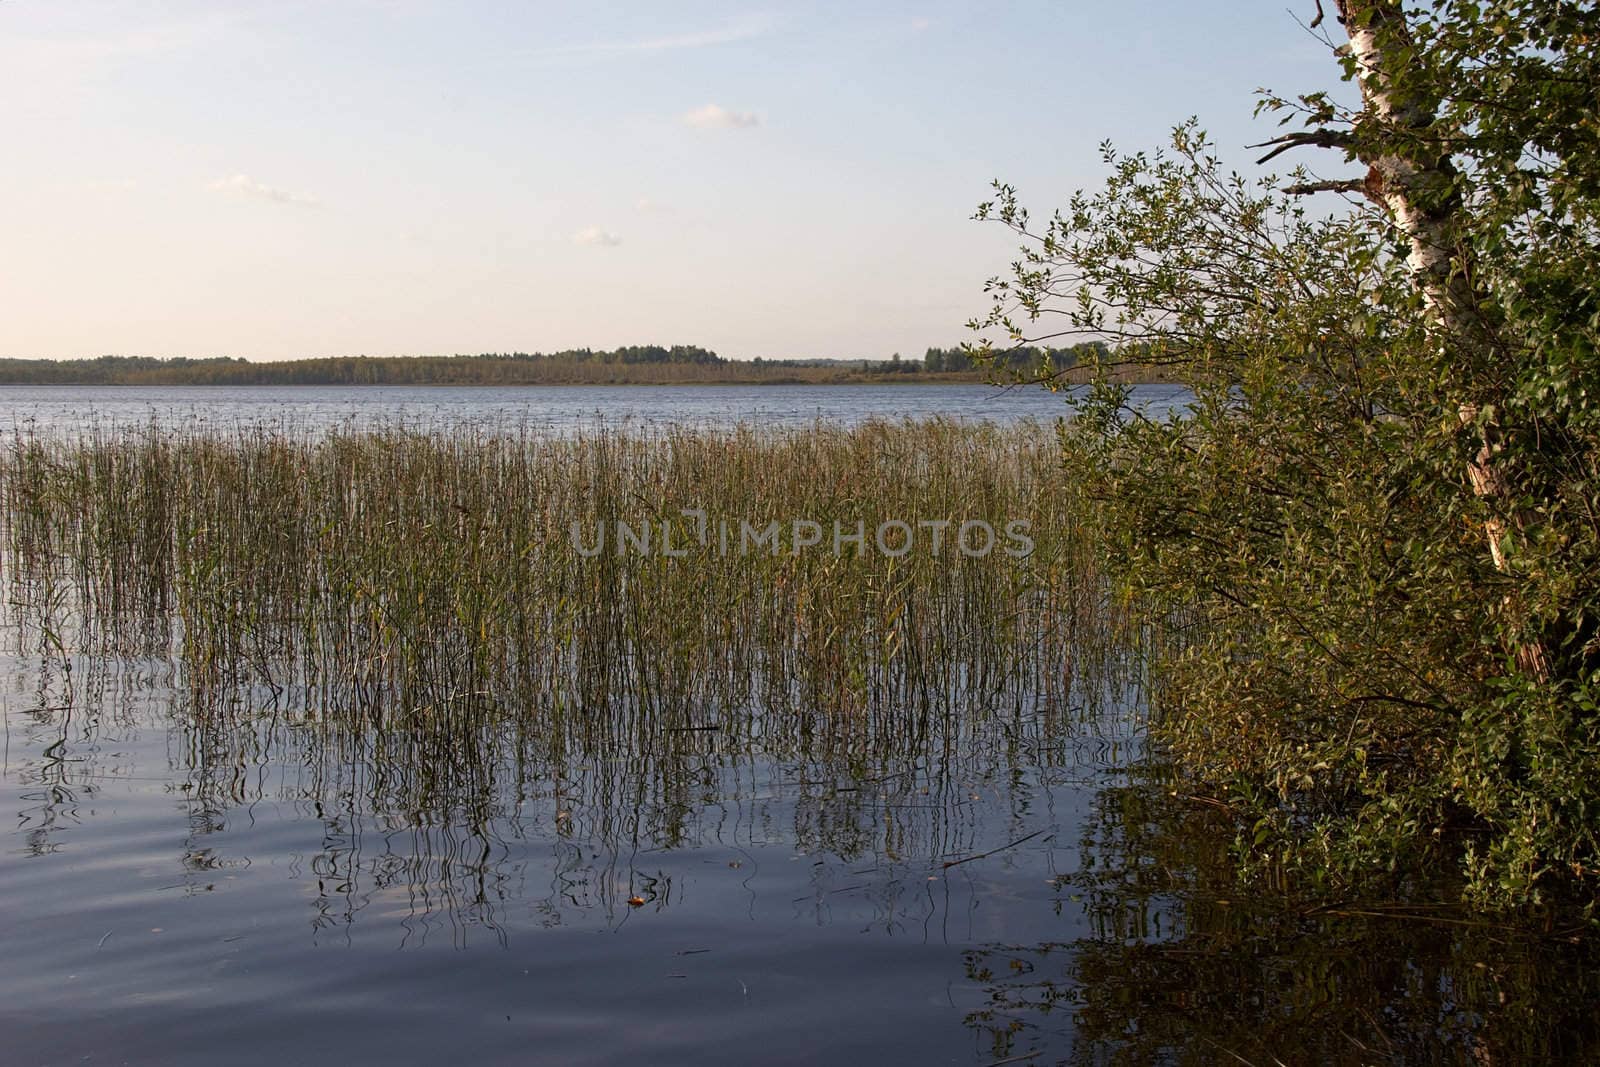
(429,579)
(398,629)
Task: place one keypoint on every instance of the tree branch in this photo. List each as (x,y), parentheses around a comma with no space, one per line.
(1342,185)
(1315,138)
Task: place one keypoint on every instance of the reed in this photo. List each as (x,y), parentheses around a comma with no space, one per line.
(396,628)
(410,578)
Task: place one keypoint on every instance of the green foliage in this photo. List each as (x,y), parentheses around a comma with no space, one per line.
(1342,660)
(1024,361)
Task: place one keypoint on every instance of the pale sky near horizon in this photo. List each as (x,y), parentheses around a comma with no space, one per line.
(390,177)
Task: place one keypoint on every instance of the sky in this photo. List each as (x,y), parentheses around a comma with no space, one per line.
(301,178)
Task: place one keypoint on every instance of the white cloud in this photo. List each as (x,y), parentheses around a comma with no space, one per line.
(245,186)
(920,24)
(595,237)
(648,206)
(717,117)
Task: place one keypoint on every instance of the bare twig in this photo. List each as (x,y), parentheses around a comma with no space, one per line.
(1301,138)
(981,855)
(1015,1059)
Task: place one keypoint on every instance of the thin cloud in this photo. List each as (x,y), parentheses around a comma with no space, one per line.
(920,24)
(242,185)
(648,206)
(595,237)
(717,117)
(71,59)
(739,30)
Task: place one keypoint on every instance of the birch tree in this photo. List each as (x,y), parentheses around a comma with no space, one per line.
(1372,549)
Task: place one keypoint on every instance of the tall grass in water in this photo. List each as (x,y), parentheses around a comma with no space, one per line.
(401,625)
(405,576)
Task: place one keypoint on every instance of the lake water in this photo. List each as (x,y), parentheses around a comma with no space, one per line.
(174,896)
(1000,879)
(548,408)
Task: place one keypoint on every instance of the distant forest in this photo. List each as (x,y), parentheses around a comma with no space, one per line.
(631,365)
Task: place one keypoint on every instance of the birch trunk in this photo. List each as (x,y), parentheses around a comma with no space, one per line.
(1415,181)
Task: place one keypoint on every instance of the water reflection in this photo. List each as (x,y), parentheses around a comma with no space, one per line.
(1114,935)
(454,814)
(1183,968)
(941,857)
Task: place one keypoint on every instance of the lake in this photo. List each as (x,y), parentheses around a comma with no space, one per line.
(75,408)
(222,856)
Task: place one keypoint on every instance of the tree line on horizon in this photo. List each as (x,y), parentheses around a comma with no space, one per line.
(484,368)
(632,364)
(1026,360)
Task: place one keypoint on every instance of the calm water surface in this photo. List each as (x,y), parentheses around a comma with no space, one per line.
(972,882)
(286,893)
(559,408)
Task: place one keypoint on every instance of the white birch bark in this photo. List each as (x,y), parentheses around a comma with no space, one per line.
(1415,188)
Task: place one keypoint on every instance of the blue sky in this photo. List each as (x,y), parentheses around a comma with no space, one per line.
(335,177)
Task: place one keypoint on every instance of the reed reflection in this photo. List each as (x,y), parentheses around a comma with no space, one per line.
(495,815)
